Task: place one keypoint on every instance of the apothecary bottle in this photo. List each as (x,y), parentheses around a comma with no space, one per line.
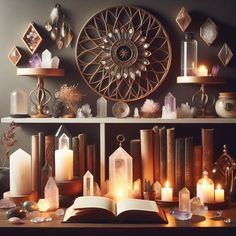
(18,103)
(189,53)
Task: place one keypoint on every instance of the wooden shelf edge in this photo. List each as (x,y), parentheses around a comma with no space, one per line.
(200,80)
(113,120)
(40,72)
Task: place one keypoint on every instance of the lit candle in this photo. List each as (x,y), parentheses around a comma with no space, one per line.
(167,193)
(20,173)
(202,71)
(205,189)
(219,194)
(120,195)
(43,205)
(137,189)
(63,160)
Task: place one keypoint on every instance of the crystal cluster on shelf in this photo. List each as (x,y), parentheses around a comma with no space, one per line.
(183,19)
(150,108)
(209,31)
(45,62)
(197,207)
(14,55)
(169,108)
(32,38)
(225,54)
(185,111)
(84,111)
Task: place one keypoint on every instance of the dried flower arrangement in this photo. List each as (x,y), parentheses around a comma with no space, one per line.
(70,96)
(7,141)
(150,109)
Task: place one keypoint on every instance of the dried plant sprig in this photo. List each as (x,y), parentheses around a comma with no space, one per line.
(8,141)
(69,95)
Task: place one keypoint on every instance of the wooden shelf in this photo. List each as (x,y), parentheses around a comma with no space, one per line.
(204,226)
(200,80)
(112,120)
(45,72)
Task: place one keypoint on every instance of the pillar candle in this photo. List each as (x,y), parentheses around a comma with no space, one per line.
(219,194)
(206,192)
(20,173)
(167,193)
(63,165)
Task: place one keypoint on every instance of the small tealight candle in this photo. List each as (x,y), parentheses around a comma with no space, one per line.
(43,204)
(167,193)
(202,71)
(219,194)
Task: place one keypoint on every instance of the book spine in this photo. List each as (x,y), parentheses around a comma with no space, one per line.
(41,161)
(91,159)
(179,164)
(170,139)
(189,163)
(35,162)
(50,151)
(75,148)
(163,157)
(82,154)
(146,140)
(207,150)
(135,153)
(156,153)
(197,164)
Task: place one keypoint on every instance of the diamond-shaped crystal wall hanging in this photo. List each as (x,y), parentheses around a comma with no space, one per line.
(14,55)
(183,19)
(32,38)
(225,54)
(209,31)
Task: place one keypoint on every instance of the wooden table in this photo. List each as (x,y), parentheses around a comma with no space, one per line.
(194,227)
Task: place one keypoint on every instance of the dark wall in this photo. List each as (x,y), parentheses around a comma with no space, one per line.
(15,16)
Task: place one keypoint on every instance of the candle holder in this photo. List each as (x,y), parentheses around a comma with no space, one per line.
(201,97)
(40,96)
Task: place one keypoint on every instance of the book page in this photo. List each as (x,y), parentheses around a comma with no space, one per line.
(94,202)
(136,204)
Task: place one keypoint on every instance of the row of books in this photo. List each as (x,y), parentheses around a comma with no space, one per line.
(160,155)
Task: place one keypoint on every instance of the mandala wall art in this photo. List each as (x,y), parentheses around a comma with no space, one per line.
(123,53)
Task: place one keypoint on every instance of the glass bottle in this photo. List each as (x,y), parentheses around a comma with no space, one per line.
(18,103)
(188,55)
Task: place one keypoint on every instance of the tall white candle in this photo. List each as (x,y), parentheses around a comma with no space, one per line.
(219,194)
(20,173)
(63,160)
(167,193)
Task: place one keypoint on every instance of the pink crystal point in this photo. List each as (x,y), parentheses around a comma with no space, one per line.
(51,193)
(170,102)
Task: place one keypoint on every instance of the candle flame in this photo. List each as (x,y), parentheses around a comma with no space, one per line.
(218,186)
(202,70)
(167,185)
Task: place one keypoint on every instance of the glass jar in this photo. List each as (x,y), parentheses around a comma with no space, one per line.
(18,103)
(188,55)
(225,106)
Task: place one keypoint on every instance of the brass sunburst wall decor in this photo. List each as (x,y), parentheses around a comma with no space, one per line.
(123,53)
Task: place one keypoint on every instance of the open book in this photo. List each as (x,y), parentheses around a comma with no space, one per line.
(102,209)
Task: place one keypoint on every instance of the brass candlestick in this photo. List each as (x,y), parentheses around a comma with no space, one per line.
(40,96)
(205,103)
